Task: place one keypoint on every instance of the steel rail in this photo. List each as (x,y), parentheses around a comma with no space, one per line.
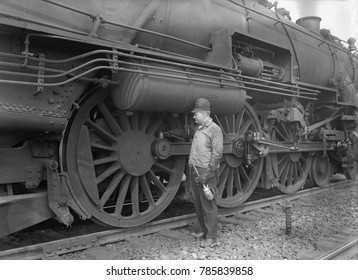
(73,244)
(343,252)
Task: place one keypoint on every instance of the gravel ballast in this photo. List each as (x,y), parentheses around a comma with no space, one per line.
(318,223)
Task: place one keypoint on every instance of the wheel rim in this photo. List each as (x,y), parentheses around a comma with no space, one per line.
(107,154)
(290,169)
(320,170)
(238,179)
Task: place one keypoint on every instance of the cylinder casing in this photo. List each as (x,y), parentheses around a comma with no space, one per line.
(148,90)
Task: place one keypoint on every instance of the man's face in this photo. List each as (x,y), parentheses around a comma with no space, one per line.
(199,117)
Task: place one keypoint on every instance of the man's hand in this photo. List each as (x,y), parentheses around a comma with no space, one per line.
(203,177)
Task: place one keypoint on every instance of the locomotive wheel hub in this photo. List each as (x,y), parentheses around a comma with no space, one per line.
(294,157)
(232,160)
(322,168)
(134,149)
(161,148)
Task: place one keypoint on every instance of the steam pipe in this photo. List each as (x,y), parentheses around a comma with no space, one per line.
(148,66)
(148,73)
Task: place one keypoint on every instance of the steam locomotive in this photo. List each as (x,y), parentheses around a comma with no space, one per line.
(96,96)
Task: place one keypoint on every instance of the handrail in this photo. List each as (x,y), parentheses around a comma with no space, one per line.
(103,21)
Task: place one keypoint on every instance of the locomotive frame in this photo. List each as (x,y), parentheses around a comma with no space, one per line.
(100,127)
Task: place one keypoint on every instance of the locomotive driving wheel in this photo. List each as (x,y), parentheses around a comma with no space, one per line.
(107,154)
(238,177)
(320,170)
(291,168)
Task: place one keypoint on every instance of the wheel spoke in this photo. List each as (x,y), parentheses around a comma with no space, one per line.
(286,133)
(105,160)
(146,190)
(282,137)
(300,167)
(274,163)
(233,123)
(144,122)
(284,174)
(101,132)
(230,183)
(237,181)
(229,128)
(108,172)
(112,123)
(154,179)
(220,124)
(295,172)
(282,160)
(238,121)
(124,122)
(164,168)
(283,164)
(134,121)
(156,125)
(290,174)
(223,179)
(244,174)
(135,196)
(112,187)
(122,195)
(245,127)
(85,165)
(102,147)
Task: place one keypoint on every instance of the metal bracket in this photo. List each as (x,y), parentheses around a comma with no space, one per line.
(70,246)
(56,201)
(97,22)
(114,62)
(59,196)
(33,176)
(41,74)
(324,143)
(42,149)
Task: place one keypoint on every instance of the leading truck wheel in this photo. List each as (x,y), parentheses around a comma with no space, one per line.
(320,170)
(238,177)
(107,154)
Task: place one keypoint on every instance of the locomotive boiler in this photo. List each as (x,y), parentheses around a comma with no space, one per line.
(96,97)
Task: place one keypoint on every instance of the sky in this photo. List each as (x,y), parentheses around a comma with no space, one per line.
(339,16)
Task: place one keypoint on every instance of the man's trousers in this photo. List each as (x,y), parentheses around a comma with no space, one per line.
(206,210)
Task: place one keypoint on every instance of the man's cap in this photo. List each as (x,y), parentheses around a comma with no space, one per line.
(201,104)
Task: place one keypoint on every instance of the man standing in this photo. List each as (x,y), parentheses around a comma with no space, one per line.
(204,159)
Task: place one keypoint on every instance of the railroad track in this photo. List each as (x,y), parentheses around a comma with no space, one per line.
(346,251)
(54,248)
